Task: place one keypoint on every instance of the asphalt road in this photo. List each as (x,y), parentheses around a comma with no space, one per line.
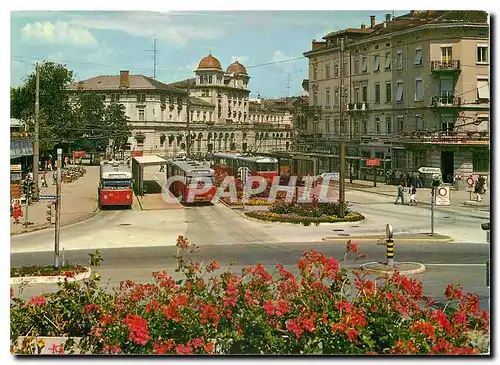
(445,263)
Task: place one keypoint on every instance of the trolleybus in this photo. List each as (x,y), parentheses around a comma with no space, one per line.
(115,185)
(229,163)
(192,174)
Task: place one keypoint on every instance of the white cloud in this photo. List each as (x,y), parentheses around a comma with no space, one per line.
(148,24)
(281,61)
(241,59)
(58,33)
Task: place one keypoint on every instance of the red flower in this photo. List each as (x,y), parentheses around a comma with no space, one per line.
(11,293)
(346,306)
(154,304)
(249,299)
(198,342)
(214,265)
(171,311)
(442,320)
(229,301)
(182,242)
(231,289)
(184,349)
(209,347)
(209,312)
(162,348)
(324,318)
(282,308)
(115,349)
(38,300)
(460,318)
(352,334)
(96,331)
(292,326)
(69,274)
(284,273)
(268,307)
(57,349)
(138,327)
(352,246)
(453,292)
(181,300)
(90,308)
(105,319)
(308,324)
(424,328)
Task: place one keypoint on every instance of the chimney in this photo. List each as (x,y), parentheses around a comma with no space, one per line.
(388,17)
(363,26)
(372,21)
(124,79)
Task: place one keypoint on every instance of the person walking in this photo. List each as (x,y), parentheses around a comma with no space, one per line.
(480,188)
(49,164)
(400,195)
(413,192)
(17,212)
(44,180)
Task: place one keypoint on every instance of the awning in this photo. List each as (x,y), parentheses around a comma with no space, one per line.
(19,148)
(150,160)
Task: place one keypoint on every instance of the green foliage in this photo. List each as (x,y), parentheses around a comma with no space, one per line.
(95,258)
(47,270)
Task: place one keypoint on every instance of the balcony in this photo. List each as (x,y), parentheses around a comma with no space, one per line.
(447,99)
(357,107)
(445,66)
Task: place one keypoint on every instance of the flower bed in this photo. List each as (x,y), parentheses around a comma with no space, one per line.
(251,201)
(48,270)
(319,311)
(297,219)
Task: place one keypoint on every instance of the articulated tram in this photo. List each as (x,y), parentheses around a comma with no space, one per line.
(193,174)
(229,163)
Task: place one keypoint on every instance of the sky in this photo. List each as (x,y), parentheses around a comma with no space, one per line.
(93,43)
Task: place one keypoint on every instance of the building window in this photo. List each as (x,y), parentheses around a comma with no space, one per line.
(387,65)
(419,90)
(345,70)
(327,125)
(356,127)
(399,59)
(365,94)
(376,67)
(336,70)
(447,124)
(388,92)
(365,126)
(141,98)
(315,97)
(482,54)
(420,122)
(446,53)
(327,71)
(364,65)
(483,88)
(315,72)
(481,161)
(401,122)
(336,126)
(377,93)
(356,66)
(209,79)
(141,115)
(205,92)
(115,98)
(356,95)
(337,97)
(399,92)
(377,125)
(328,97)
(388,122)
(418,57)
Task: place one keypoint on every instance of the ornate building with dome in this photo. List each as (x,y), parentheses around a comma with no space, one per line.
(214,107)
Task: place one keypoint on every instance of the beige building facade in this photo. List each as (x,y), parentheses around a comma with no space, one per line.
(416,94)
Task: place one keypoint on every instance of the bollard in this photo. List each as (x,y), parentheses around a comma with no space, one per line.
(390,245)
(390,252)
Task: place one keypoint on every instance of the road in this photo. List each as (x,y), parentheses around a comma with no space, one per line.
(446,263)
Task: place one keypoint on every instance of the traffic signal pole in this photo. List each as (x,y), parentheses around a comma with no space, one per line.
(58,209)
(36,143)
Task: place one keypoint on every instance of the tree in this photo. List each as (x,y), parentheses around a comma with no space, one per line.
(56,117)
(117,127)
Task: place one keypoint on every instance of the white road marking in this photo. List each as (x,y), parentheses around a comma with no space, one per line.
(471,265)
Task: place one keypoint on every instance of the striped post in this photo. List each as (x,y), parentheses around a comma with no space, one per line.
(390,252)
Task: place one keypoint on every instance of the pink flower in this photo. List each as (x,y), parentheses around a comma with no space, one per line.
(268,307)
(292,326)
(38,300)
(57,349)
(198,342)
(184,349)
(282,308)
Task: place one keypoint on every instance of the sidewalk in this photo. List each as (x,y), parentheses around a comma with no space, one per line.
(458,198)
(79,202)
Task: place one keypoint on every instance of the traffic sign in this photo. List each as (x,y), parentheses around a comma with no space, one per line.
(47,197)
(470,181)
(443,195)
(429,170)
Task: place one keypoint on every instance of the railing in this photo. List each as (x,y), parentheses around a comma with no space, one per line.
(357,106)
(446,99)
(453,65)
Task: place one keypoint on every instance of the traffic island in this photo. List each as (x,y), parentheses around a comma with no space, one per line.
(48,274)
(401,238)
(403,268)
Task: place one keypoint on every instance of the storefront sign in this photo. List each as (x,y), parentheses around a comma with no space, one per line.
(16,168)
(373,162)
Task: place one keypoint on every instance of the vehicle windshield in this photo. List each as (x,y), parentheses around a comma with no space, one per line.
(267,167)
(200,180)
(115,184)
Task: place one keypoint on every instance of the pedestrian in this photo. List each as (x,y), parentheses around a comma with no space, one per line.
(400,195)
(403,180)
(54,178)
(413,192)
(17,212)
(44,180)
(49,164)
(480,187)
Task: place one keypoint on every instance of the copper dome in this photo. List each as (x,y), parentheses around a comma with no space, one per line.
(210,62)
(236,67)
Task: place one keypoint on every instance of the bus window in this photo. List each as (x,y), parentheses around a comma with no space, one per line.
(115,184)
(266,167)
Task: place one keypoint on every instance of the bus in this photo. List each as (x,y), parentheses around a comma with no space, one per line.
(115,185)
(229,163)
(191,172)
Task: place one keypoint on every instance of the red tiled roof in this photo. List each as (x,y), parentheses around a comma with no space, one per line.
(236,67)
(210,62)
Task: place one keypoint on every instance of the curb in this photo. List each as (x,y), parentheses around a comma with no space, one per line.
(378,239)
(324,224)
(49,279)
(391,271)
(46,225)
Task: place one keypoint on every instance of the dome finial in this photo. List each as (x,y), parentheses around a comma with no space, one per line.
(210,52)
